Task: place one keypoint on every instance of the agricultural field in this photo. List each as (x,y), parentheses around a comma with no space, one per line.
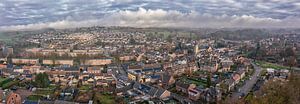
(10,38)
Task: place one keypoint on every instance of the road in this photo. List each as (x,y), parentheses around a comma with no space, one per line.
(245,89)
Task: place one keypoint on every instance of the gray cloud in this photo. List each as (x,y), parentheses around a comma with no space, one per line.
(163,18)
(156,13)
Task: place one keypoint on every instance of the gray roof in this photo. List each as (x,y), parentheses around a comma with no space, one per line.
(159,92)
(165,78)
(153,92)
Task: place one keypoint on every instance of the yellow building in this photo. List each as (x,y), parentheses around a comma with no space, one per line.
(132,76)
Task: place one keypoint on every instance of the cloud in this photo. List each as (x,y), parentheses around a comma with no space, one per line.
(163,18)
(187,13)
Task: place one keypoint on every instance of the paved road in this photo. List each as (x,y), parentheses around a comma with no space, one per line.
(248,84)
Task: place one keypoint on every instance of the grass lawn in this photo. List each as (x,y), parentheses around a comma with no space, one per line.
(84,87)
(249,96)
(2,79)
(44,92)
(263,72)
(34,97)
(9,84)
(270,65)
(172,102)
(5,81)
(198,82)
(105,98)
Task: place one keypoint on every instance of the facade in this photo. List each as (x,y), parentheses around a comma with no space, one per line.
(96,62)
(58,62)
(184,87)
(25,61)
(127,58)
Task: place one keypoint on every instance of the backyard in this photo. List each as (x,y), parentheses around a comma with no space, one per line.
(104,98)
(198,82)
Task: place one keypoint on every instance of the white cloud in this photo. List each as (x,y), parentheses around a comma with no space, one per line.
(163,18)
(261,5)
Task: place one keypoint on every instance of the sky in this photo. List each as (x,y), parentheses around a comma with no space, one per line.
(39,14)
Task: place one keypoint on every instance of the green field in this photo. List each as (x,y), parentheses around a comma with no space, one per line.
(270,65)
(11,37)
(4,37)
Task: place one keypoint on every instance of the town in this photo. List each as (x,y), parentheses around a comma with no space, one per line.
(109,65)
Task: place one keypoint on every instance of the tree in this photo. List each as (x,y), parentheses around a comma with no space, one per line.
(132,41)
(42,80)
(209,80)
(169,38)
(256,51)
(289,51)
(292,61)
(278,92)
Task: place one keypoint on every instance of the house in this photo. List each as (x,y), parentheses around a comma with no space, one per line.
(245,61)
(184,87)
(226,65)
(196,93)
(151,68)
(25,61)
(36,69)
(270,70)
(94,70)
(101,82)
(88,80)
(212,94)
(133,76)
(99,76)
(229,83)
(151,78)
(236,77)
(74,82)
(127,58)
(58,62)
(151,91)
(3,66)
(96,62)
(167,80)
(71,70)
(241,72)
(6,72)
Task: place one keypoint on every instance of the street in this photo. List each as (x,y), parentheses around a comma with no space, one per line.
(245,89)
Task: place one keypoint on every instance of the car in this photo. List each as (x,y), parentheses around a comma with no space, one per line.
(242,95)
